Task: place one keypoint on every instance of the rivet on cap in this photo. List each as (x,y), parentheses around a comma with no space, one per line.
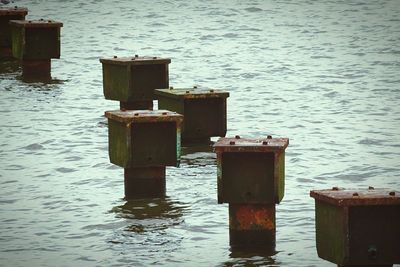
(194,86)
(335,188)
(212,91)
(154,57)
(265,143)
(232,142)
(269,137)
(115,56)
(392,193)
(187,92)
(371,188)
(136,55)
(237,137)
(355,194)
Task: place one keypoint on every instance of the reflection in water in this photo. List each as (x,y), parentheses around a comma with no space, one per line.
(150,214)
(199,155)
(251,257)
(9,66)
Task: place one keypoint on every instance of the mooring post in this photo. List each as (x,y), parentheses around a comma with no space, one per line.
(251,175)
(36,42)
(358,227)
(144,142)
(132,80)
(204,111)
(6,15)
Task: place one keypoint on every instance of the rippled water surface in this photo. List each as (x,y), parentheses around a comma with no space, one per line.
(325,74)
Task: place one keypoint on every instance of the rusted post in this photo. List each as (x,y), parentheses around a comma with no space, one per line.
(203,109)
(132,80)
(251,175)
(358,227)
(36,42)
(144,142)
(7,14)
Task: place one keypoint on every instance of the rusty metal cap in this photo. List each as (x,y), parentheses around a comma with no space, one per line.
(359,197)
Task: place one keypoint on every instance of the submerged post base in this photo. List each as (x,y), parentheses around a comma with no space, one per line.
(36,70)
(136,105)
(6,53)
(144,182)
(252,225)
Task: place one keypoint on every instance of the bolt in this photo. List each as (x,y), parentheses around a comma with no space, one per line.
(335,188)
(29,21)
(170,88)
(187,92)
(115,56)
(15,7)
(232,142)
(164,113)
(194,86)
(392,193)
(265,143)
(355,194)
(154,57)
(41,19)
(371,188)
(237,137)
(212,91)
(133,58)
(136,55)
(136,114)
(269,137)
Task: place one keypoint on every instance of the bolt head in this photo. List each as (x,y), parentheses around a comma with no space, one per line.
(154,57)
(237,137)
(136,114)
(265,143)
(164,113)
(187,92)
(355,194)
(232,142)
(194,86)
(171,87)
(136,55)
(115,56)
(371,187)
(392,193)
(269,137)
(335,188)
(212,91)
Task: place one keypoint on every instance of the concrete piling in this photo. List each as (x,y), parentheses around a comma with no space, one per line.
(35,43)
(251,179)
(6,15)
(204,111)
(132,80)
(144,142)
(358,227)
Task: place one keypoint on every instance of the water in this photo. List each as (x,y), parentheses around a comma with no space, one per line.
(323,73)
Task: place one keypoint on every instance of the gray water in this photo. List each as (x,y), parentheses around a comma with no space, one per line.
(325,74)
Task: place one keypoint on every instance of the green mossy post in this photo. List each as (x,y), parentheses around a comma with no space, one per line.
(144,142)
(203,109)
(132,80)
(358,227)
(6,15)
(251,179)
(35,43)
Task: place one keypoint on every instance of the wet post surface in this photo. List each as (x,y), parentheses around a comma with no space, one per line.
(251,179)
(6,15)
(35,43)
(144,142)
(132,80)
(204,111)
(358,227)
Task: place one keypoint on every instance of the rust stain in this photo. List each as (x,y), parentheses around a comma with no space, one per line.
(251,217)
